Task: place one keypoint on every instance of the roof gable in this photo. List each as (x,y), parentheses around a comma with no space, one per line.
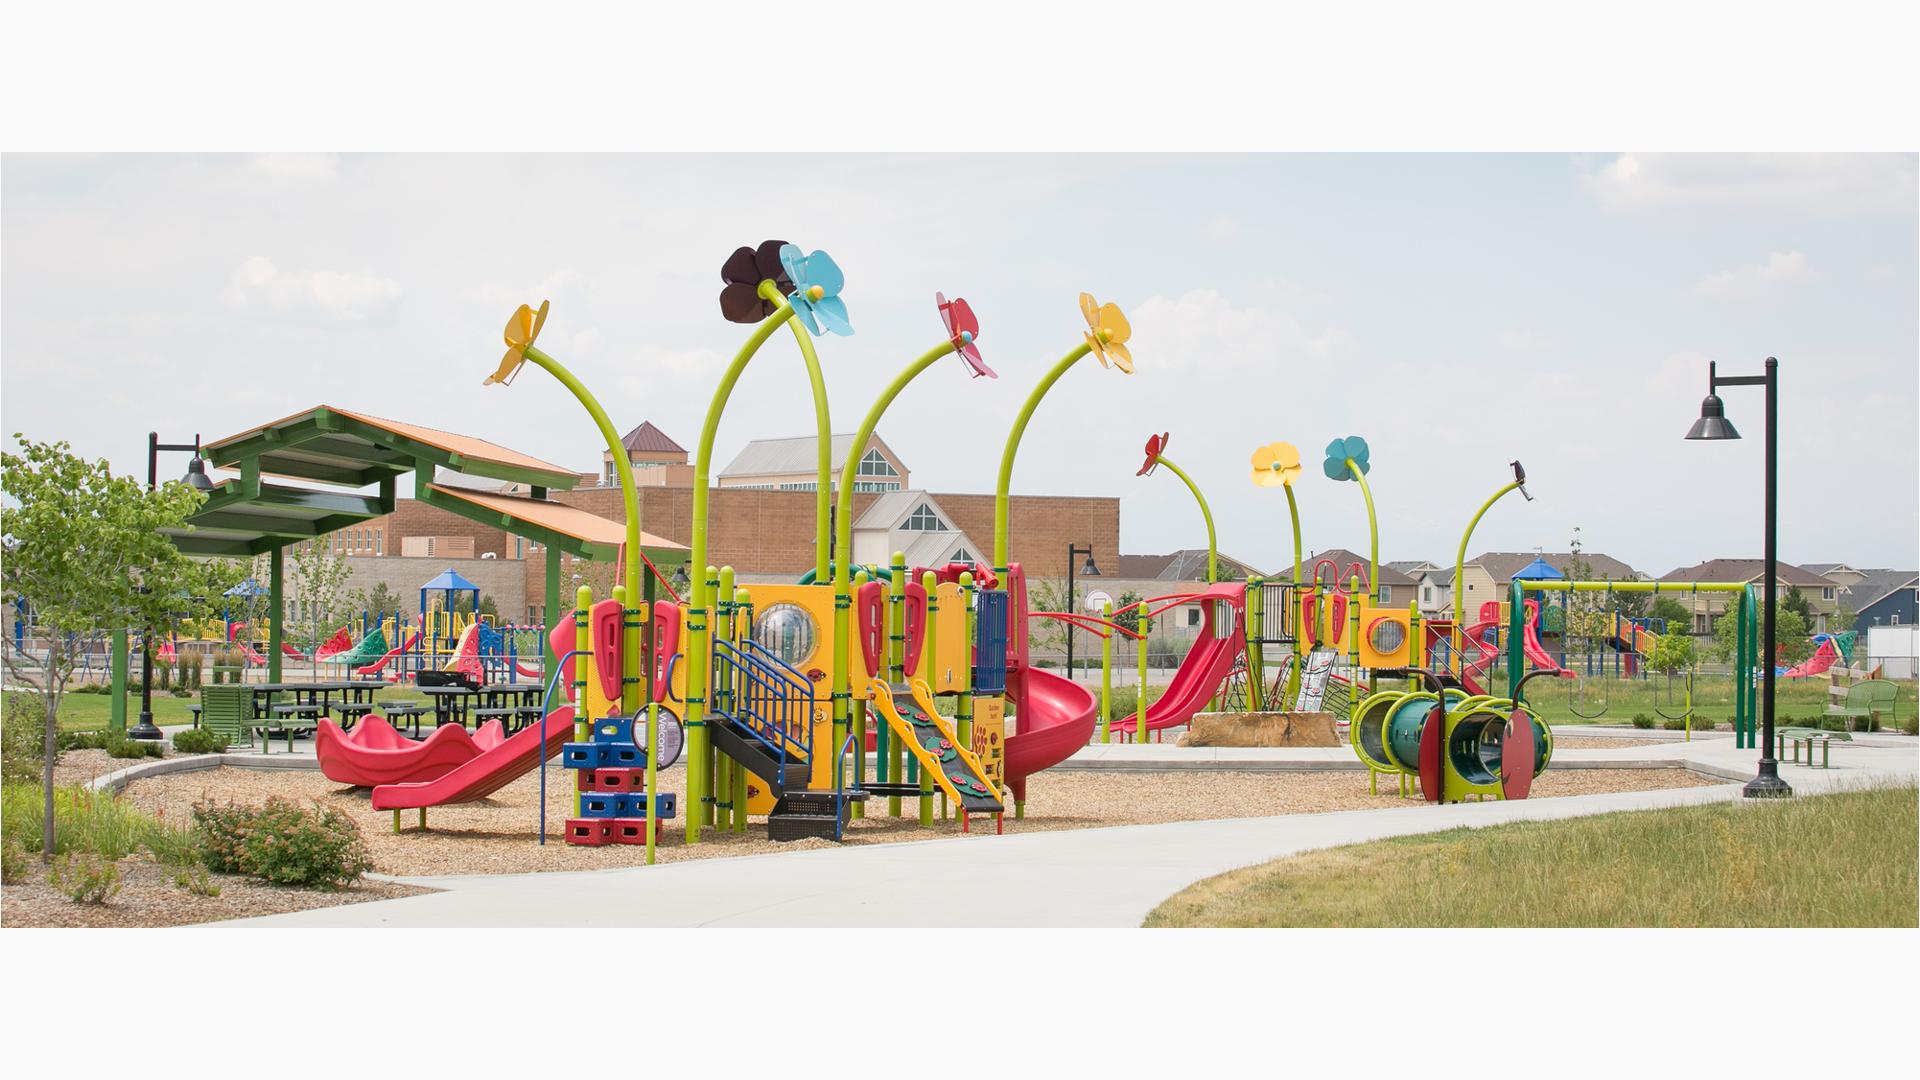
(647,439)
(1502,565)
(1742,570)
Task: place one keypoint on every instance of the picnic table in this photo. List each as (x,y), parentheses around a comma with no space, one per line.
(514,704)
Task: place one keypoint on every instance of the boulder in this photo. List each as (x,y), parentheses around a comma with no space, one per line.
(1262,729)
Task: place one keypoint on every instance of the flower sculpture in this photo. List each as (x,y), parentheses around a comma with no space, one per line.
(1107,333)
(1155,444)
(744,270)
(1276,465)
(963,329)
(817,282)
(523,326)
(1339,452)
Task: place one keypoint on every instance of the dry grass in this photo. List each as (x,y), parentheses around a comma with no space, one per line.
(150,896)
(1839,860)
(498,835)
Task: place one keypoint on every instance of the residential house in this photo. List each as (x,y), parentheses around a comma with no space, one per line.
(793,465)
(1840,574)
(1489,575)
(1822,594)
(1883,598)
(1433,584)
(1396,588)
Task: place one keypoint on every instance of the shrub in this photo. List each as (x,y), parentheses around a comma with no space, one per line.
(1911,724)
(83,740)
(14,861)
(162,675)
(135,748)
(1642,721)
(320,847)
(196,880)
(199,741)
(23,721)
(85,878)
(223,834)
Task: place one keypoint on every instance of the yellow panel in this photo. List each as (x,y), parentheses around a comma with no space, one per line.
(951,638)
(1369,657)
(990,736)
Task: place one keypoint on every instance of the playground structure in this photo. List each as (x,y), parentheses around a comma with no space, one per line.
(805,703)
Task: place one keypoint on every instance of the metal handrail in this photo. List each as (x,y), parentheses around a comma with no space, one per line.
(546,699)
(774,732)
(839,782)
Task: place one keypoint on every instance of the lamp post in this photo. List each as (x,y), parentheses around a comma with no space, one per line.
(196,479)
(1713,426)
(1089,570)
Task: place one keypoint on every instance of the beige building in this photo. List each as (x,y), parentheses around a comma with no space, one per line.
(657,460)
(793,465)
(1821,593)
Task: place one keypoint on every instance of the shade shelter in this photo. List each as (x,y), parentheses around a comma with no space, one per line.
(333,455)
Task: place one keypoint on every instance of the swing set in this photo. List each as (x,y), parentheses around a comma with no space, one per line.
(1580,701)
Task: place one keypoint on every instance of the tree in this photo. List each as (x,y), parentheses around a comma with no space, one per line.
(317,587)
(1047,635)
(1672,613)
(83,547)
(1125,613)
(1798,604)
(489,609)
(1789,635)
(1672,652)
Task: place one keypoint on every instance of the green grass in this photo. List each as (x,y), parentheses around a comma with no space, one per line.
(88,712)
(96,822)
(1712,699)
(1850,859)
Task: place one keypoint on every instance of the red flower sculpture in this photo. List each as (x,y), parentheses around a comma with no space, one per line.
(1155,445)
(963,329)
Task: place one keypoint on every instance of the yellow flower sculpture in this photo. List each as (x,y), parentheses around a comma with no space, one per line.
(1107,333)
(1276,465)
(522,327)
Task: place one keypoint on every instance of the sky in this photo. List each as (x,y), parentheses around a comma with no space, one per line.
(1457,311)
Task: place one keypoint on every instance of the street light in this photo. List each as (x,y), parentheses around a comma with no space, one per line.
(196,479)
(1089,570)
(1714,426)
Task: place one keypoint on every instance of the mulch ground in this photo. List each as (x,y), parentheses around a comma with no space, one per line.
(149,896)
(498,835)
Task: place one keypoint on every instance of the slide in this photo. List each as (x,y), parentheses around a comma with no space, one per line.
(373,753)
(1205,667)
(413,638)
(466,655)
(369,649)
(1537,654)
(1056,717)
(931,740)
(480,777)
(340,642)
(1823,658)
(1473,669)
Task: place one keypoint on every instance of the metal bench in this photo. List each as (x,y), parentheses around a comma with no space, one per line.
(1805,736)
(301,716)
(1864,700)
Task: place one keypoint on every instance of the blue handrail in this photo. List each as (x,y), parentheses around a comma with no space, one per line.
(546,699)
(839,785)
(771,701)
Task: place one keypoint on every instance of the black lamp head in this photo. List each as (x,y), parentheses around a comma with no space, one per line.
(196,477)
(1713,423)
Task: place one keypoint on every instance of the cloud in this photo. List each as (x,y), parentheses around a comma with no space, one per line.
(297,166)
(1760,279)
(311,295)
(1847,183)
(1522,341)
(1202,331)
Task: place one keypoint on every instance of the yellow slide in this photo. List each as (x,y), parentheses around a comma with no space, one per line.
(931,739)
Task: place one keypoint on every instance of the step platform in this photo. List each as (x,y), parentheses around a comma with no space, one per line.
(601,755)
(608,804)
(610,780)
(599,832)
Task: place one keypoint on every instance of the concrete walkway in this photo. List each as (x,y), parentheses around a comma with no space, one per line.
(1091,877)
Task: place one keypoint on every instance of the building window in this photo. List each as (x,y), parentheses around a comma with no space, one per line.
(376,540)
(609,477)
(923,519)
(1193,616)
(1386,594)
(962,555)
(811,485)
(519,547)
(875,465)
(876,485)
(1826,593)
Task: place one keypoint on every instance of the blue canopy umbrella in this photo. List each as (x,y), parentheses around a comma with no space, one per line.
(449,584)
(1539,570)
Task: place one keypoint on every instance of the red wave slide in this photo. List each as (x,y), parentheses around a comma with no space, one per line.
(1056,717)
(374,753)
(412,639)
(480,777)
(1205,667)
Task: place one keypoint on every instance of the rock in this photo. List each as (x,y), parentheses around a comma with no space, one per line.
(1262,729)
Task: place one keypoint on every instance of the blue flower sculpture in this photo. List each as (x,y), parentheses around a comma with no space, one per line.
(1338,451)
(817,281)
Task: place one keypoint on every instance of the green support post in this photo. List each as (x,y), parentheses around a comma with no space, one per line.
(1373,533)
(963,716)
(859,720)
(1106,675)
(277,602)
(927,672)
(1293,601)
(1256,651)
(903,770)
(117,706)
(551,609)
(582,671)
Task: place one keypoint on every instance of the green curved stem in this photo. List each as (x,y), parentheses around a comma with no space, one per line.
(1213,567)
(823,427)
(1013,447)
(1460,565)
(1293,613)
(629,493)
(1373,533)
(1293,511)
(700,598)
